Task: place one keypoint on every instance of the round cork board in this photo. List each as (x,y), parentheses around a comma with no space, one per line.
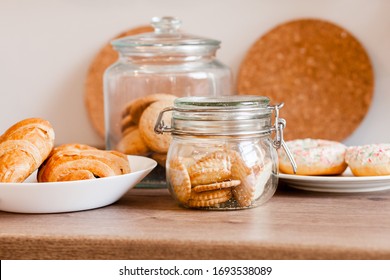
(94,83)
(319,70)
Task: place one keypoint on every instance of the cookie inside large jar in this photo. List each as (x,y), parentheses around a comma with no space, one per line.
(137,123)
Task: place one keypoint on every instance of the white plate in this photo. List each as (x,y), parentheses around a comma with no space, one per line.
(345,183)
(33,197)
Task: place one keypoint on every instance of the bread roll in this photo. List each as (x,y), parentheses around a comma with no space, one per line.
(23,148)
(79,162)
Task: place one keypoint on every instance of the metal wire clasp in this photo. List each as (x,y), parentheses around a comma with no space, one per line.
(160,126)
(279,125)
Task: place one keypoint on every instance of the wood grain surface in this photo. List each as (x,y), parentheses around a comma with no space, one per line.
(147,224)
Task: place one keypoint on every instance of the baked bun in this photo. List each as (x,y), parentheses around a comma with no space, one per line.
(369,160)
(71,162)
(314,157)
(23,148)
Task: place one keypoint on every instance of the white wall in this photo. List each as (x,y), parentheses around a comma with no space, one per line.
(47,45)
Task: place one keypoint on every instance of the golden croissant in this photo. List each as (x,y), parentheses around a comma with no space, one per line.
(79,162)
(23,148)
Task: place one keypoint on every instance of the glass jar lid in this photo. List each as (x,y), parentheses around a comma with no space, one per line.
(222,103)
(227,116)
(221,115)
(166,38)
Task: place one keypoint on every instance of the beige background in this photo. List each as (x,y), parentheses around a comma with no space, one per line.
(46,47)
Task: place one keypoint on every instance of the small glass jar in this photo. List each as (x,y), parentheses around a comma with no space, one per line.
(222,156)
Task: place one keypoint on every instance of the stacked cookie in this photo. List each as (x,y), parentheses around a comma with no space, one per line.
(218,177)
(137,127)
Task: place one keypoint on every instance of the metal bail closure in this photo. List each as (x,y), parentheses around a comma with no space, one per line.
(160,126)
(279,126)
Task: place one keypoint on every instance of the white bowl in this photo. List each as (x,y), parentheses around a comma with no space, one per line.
(33,197)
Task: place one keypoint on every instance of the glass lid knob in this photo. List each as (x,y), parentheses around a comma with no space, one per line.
(165,24)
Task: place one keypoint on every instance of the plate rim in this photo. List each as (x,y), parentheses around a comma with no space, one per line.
(92,193)
(337,184)
(59,184)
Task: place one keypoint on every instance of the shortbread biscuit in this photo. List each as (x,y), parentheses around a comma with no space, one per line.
(245,192)
(211,168)
(180,180)
(129,129)
(261,177)
(126,122)
(187,161)
(207,203)
(217,186)
(132,144)
(209,198)
(160,158)
(158,143)
(126,110)
(219,154)
(138,106)
(217,160)
(210,194)
(209,176)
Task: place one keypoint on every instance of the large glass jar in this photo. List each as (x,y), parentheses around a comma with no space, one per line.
(222,155)
(165,61)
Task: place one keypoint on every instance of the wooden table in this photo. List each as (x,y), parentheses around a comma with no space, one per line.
(147,224)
